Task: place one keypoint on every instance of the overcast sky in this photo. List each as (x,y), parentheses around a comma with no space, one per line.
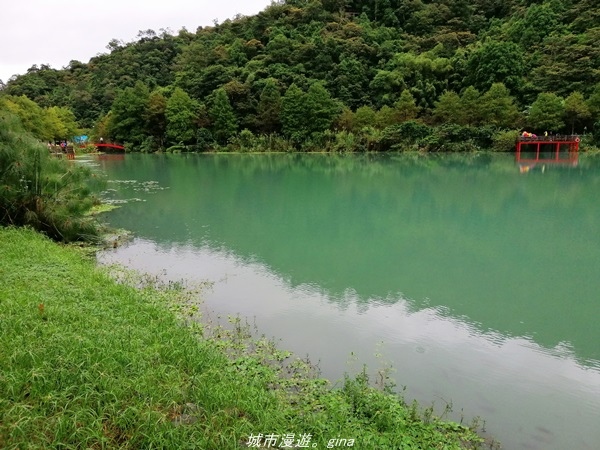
(55,32)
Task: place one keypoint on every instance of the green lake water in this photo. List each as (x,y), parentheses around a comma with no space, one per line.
(477,282)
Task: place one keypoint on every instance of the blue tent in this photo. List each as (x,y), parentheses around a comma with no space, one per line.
(80,139)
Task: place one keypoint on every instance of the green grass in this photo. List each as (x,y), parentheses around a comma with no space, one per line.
(87,362)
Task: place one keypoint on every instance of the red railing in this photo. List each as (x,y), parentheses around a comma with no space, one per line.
(117,146)
(551,138)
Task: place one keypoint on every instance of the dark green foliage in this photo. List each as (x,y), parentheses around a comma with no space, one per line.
(568,62)
(547,113)
(504,141)
(596,135)
(593,101)
(269,108)
(156,118)
(128,112)
(448,137)
(449,108)
(497,107)
(576,110)
(496,62)
(365,116)
(51,195)
(350,82)
(374,54)
(538,22)
(293,112)
(321,108)
(405,135)
(181,115)
(456,138)
(406,107)
(38,84)
(223,117)
(306,114)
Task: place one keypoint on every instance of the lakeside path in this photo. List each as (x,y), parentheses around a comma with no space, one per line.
(86,362)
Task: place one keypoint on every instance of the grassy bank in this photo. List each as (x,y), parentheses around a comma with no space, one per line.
(86,362)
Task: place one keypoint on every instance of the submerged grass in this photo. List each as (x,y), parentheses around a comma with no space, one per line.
(89,362)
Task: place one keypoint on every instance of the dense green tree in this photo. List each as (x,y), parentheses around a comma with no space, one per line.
(364,116)
(243,101)
(204,139)
(386,117)
(366,53)
(60,123)
(350,81)
(547,112)
(425,75)
(497,107)
(449,108)
(38,84)
(583,15)
(224,122)
(269,108)
(345,120)
(385,86)
(593,103)
(576,110)
(47,124)
(156,117)
(470,109)
(54,128)
(128,111)
(404,135)
(567,63)
(306,113)
(29,113)
(237,53)
(294,112)
(102,127)
(279,49)
(181,113)
(470,101)
(322,109)
(496,62)
(538,21)
(406,107)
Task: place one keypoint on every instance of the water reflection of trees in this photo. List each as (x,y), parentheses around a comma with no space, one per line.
(464,231)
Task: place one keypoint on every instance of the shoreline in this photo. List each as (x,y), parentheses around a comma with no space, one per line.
(155,378)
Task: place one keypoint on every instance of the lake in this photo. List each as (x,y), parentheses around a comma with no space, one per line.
(474,282)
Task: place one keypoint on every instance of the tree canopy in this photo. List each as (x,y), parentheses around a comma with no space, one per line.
(301,68)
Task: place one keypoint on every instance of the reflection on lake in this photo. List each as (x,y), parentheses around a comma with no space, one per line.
(478,284)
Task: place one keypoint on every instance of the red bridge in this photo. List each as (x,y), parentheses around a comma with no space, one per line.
(547,150)
(115,146)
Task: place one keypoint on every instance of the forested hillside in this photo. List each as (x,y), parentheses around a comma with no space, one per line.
(339,75)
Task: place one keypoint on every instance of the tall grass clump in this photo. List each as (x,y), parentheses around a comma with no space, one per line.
(36,189)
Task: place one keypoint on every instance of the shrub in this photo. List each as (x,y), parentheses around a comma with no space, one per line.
(404,135)
(50,194)
(504,141)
